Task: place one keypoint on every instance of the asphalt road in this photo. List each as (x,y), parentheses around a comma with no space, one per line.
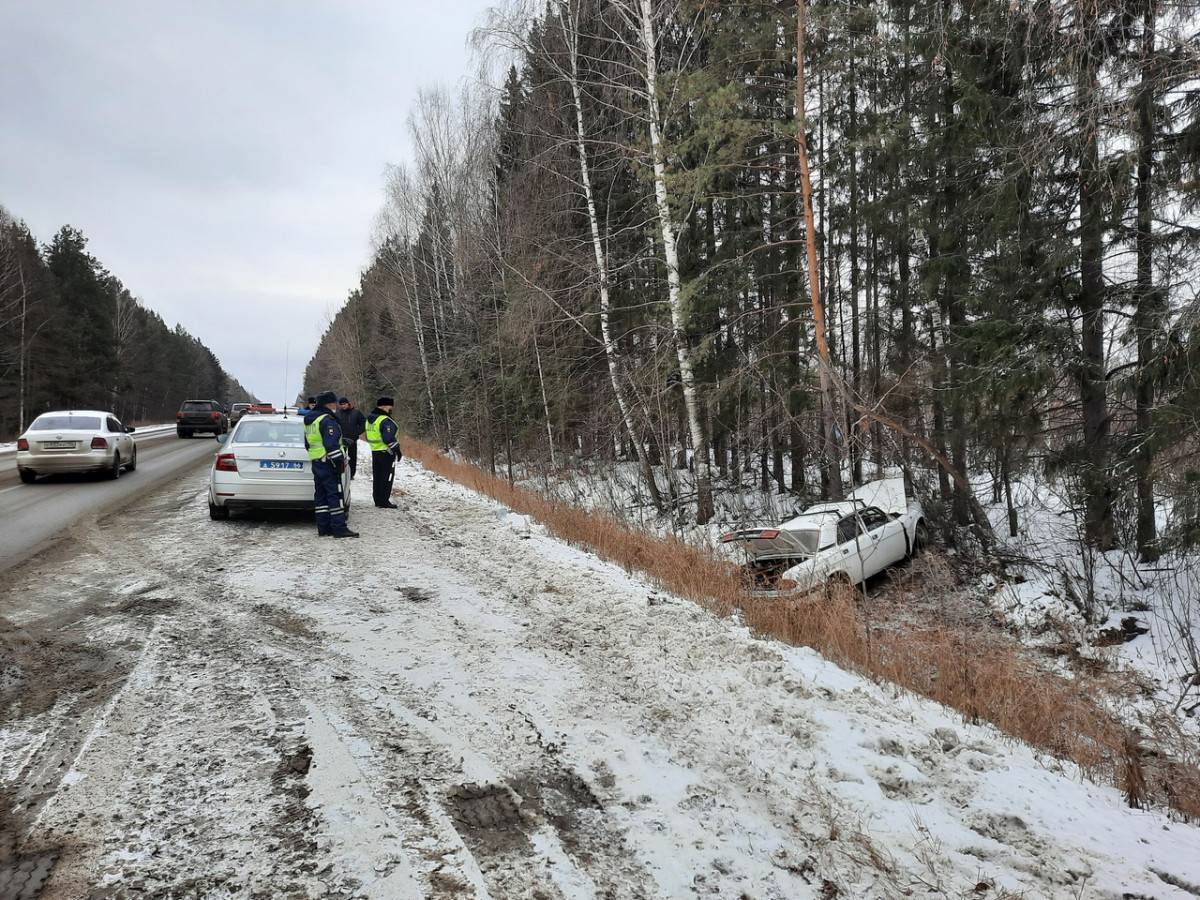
(35,515)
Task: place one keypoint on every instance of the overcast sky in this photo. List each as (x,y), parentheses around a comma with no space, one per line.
(225,159)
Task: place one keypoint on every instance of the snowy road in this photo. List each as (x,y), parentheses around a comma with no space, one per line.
(455,706)
(33,514)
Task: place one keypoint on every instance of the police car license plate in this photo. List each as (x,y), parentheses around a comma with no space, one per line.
(279,464)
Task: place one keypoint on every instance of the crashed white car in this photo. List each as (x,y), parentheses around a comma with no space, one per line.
(846,541)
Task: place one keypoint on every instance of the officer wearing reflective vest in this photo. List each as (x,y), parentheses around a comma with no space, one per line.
(382,435)
(323,438)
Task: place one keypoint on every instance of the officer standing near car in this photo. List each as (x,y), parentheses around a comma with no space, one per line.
(353,423)
(383,437)
(323,438)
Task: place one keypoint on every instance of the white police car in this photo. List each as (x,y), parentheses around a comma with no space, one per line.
(264,464)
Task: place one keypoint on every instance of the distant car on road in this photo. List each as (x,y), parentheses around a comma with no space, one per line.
(237,411)
(839,542)
(83,440)
(201,416)
(264,465)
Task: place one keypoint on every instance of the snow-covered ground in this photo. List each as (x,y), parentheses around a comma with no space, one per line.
(456,705)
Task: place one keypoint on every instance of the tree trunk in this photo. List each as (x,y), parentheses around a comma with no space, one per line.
(832,454)
(565,10)
(1098,500)
(545,401)
(1148,299)
(854,448)
(668,229)
(418,322)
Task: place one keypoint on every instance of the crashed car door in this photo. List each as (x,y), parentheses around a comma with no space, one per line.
(881,541)
(846,555)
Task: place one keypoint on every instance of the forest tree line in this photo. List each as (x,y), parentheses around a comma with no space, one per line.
(72,336)
(607,255)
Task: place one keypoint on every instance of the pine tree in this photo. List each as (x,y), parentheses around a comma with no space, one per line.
(85,333)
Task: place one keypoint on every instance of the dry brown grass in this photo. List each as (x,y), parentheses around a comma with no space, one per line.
(982,675)
(671,564)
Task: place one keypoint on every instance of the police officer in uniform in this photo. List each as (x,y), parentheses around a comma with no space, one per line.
(323,438)
(382,436)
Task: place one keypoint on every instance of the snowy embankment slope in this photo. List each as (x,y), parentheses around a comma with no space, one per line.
(756,767)
(458,706)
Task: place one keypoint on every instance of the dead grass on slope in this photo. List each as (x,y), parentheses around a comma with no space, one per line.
(984,675)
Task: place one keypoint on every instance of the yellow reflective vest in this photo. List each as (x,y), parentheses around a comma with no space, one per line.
(374,438)
(312,436)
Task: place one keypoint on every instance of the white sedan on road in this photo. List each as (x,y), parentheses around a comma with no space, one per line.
(847,541)
(75,440)
(264,464)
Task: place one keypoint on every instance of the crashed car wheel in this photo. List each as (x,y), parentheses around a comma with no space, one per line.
(218,512)
(920,539)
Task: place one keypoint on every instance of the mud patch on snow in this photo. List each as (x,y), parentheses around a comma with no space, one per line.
(415,594)
(489,817)
(22,875)
(36,673)
(286,621)
(294,821)
(562,798)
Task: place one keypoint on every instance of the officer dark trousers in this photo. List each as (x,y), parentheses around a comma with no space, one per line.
(327,497)
(383,473)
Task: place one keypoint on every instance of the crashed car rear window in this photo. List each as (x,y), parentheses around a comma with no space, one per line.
(808,539)
(65,423)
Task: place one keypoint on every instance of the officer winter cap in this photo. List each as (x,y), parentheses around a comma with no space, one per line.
(384,401)
(326,397)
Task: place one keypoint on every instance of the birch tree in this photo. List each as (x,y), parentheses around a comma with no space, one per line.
(641,16)
(399,228)
(565,22)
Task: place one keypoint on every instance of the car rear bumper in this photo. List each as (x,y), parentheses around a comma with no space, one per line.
(243,503)
(65,463)
(239,491)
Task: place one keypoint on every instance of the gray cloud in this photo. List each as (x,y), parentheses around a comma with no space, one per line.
(225,160)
